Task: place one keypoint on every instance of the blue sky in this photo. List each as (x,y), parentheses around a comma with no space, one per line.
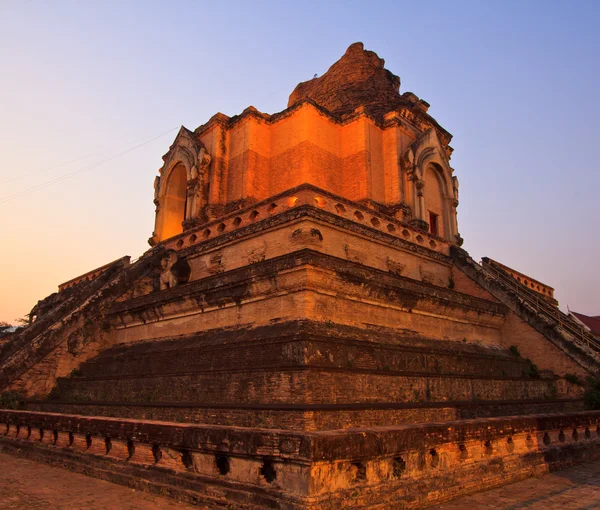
(514,82)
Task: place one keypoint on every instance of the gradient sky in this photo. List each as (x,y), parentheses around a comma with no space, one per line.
(516,83)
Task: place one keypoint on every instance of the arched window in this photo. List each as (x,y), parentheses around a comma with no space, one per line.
(434,213)
(174,202)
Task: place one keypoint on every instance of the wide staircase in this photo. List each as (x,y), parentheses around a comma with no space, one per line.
(79,312)
(563,322)
(63,303)
(556,326)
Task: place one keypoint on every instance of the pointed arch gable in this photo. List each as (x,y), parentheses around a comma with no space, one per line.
(178,184)
(185,149)
(431,186)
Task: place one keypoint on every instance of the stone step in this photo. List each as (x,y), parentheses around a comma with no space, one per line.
(295,345)
(310,417)
(303,386)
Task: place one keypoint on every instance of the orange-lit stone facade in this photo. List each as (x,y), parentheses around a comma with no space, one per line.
(398,164)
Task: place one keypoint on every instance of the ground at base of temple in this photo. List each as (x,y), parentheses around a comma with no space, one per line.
(576,488)
(27,485)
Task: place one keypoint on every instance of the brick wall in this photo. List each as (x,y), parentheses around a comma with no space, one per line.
(534,345)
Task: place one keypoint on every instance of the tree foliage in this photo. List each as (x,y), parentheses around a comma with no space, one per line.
(591,397)
(11,400)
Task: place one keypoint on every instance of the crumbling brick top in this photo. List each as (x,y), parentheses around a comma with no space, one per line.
(358,79)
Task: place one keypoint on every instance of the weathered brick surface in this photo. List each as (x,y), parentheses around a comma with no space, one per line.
(306,386)
(25,485)
(212,465)
(311,417)
(301,336)
(357,79)
(532,331)
(534,345)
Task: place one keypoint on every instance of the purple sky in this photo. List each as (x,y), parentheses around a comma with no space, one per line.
(516,83)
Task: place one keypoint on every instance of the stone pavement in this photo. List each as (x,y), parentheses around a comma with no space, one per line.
(576,488)
(30,485)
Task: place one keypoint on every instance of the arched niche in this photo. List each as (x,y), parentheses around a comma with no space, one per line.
(173,202)
(435,201)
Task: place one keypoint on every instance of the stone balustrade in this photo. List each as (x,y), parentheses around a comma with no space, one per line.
(390,459)
(93,274)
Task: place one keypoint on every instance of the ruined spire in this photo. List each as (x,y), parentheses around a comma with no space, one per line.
(357,79)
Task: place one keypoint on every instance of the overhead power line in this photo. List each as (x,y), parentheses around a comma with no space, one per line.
(27,174)
(65,163)
(81,170)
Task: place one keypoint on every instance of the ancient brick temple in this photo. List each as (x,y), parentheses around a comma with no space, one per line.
(305,331)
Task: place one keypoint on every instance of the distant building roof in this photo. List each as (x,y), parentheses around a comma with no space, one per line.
(591,322)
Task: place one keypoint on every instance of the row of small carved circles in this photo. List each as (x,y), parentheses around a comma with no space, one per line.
(380,225)
(541,289)
(433,456)
(267,469)
(339,208)
(221,227)
(51,436)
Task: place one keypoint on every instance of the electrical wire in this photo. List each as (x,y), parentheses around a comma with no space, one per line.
(27,174)
(81,170)
(65,163)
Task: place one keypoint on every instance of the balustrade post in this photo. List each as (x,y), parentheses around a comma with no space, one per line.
(63,439)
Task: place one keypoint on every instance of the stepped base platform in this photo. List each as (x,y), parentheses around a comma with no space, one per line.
(305,376)
(409,466)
